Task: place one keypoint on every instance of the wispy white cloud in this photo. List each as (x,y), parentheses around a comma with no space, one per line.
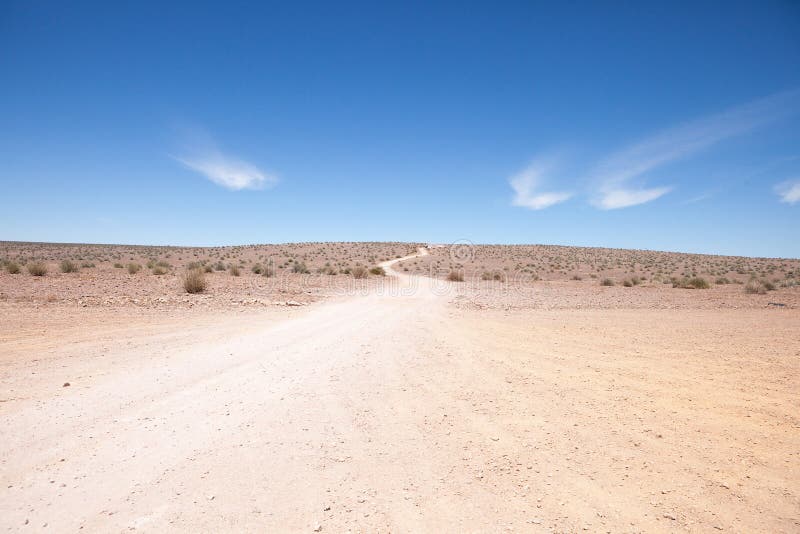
(526,183)
(789,191)
(698,198)
(623,198)
(229,172)
(201,154)
(614,174)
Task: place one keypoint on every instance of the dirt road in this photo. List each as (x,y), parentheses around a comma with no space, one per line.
(393,411)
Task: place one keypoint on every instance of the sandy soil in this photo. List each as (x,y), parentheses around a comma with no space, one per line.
(400,410)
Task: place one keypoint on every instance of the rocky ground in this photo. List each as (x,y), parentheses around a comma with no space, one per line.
(407,404)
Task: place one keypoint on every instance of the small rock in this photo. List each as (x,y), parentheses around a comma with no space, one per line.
(670,516)
(318,528)
(66,385)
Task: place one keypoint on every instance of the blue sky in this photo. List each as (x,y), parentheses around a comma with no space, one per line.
(671,126)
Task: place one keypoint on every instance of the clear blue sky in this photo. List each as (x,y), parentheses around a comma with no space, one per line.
(672,126)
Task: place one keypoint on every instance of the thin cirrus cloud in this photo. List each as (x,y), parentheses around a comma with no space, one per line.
(614,174)
(526,183)
(201,154)
(789,192)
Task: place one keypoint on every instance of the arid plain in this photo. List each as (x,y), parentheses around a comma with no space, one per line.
(397,387)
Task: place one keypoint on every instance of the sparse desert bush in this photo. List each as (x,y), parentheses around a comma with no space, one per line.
(158,270)
(118,266)
(257,268)
(722,281)
(67,266)
(359,272)
(299,267)
(208,269)
(379,271)
(194,281)
(627,283)
(37,268)
(235,271)
(576,277)
(496,276)
(754,286)
(219,266)
(769,286)
(268,271)
(12,267)
(607,282)
(455,276)
(691,283)
(87,265)
(134,268)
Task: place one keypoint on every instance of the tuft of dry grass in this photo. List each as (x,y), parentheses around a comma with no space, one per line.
(607,282)
(37,268)
(68,267)
(754,286)
(134,268)
(359,272)
(194,281)
(235,271)
(455,276)
(378,271)
(159,270)
(13,268)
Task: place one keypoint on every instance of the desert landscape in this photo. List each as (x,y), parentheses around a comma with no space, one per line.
(400,267)
(397,387)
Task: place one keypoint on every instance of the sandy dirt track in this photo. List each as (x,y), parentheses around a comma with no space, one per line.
(396,411)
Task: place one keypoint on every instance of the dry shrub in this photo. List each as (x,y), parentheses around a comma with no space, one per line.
(607,282)
(455,276)
(235,271)
(37,268)
(194,281)
(134,268)
(359,272)
(12,267)
(379,271)
(68,267)
(159,270)
(754,286)
(691,283)
(496,276)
